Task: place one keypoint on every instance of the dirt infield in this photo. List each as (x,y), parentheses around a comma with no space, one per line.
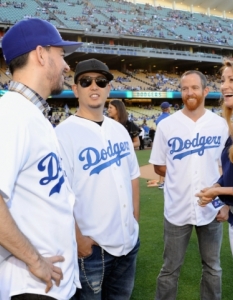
(147,172)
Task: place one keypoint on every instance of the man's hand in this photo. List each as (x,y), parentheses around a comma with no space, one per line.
(13,240)
(45,270)
(223,214)
(85,244)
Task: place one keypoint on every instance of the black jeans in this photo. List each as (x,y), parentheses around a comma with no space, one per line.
(31,297)
(141,147)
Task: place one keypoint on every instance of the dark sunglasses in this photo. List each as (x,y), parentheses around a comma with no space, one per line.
(87,81)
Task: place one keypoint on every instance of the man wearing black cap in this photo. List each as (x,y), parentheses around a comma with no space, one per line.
(102,169)
(37,236)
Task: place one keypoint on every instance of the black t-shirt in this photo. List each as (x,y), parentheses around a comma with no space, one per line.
(132,128)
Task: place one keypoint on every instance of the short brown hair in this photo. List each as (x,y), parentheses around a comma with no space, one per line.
(198,73)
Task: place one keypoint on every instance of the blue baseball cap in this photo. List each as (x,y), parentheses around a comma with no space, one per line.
(165,105)
(26,35)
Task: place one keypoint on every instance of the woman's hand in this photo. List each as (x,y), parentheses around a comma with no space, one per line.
(206,195)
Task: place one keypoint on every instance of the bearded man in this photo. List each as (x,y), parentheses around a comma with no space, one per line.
(186,150)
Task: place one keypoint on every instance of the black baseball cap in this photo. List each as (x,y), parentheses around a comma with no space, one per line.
(92,65)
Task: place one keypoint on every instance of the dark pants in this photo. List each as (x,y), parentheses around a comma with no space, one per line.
(141,147)
(31,297)
(104,276)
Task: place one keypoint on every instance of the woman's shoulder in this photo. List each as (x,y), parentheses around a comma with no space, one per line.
(132,125)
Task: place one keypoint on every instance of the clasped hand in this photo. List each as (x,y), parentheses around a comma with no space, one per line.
(206,195)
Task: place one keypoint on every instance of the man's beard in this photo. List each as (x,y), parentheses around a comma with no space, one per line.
(95,106)
(193,105)
(57,90)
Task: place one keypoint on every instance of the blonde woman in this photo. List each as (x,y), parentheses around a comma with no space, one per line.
(224,187)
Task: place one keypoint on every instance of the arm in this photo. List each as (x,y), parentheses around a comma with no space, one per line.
(223,213)
(12,239)
(136,142)
(160,170)
(136,200)
(224,190)
(85,243)
(208,194)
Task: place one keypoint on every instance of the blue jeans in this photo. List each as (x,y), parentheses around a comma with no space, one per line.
(176,239)
(107,277)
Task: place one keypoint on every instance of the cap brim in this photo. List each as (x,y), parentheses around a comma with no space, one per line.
(108,75)
(69,47)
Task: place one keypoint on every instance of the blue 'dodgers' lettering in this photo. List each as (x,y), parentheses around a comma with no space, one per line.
(50,165)
(198,145)
(112,154)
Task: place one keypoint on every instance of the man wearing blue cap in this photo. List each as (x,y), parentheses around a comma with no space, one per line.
(165,107)
(38,252)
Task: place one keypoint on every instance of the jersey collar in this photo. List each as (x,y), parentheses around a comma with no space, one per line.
(30,95)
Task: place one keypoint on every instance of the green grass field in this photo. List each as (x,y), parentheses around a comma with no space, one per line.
(150,254)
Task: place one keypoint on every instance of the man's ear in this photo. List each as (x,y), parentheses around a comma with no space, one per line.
(75,90)
(40,55)
(206,91)
(109,89)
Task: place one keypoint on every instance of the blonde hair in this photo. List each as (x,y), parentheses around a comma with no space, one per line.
(227,111)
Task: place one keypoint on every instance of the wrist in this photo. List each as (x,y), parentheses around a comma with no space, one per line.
(216,185)
(82,239)
(217,191)
(33,259)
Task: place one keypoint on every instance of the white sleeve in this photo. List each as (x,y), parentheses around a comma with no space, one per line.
(158,152)
(66,151)
(14,151)
(134,167)
(132,160)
